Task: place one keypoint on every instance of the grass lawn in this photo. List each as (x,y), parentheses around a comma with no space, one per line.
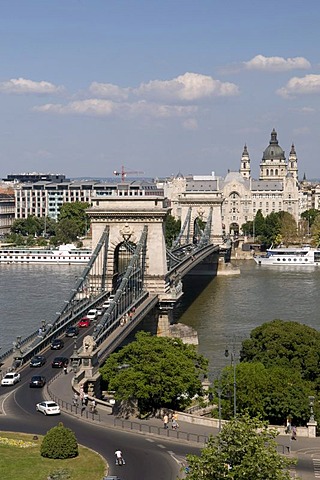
(25,462)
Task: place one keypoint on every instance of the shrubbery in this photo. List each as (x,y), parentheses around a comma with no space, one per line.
(59,442)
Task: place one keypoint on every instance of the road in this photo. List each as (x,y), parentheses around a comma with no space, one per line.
(146,457)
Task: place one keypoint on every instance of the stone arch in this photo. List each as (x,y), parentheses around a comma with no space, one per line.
(122,254)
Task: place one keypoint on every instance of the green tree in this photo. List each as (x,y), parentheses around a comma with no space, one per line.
(156,372)
(245,449)
(272,228)
(310,216)
(73,222)
(172,229)
(315,231)
(288,229)
(285,343)
(59,442)
(272,393)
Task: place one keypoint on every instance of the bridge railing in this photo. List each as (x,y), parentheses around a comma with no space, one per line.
(160,431)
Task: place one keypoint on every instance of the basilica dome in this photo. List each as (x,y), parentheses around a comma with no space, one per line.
(273,151)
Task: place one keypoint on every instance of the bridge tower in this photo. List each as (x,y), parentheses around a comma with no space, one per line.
(126,218)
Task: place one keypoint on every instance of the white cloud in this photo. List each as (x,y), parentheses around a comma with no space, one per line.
(22,86)
(92,107)
(187,87)
(301,86)
(109,90)
(276,64)
(104,108)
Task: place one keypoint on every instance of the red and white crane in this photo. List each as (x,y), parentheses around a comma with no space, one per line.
(124,173)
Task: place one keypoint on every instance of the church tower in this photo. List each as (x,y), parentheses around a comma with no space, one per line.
(273,165)
(293,163)
(245,168)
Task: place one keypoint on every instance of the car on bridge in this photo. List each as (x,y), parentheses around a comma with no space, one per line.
(59,362)
(37,361)
(48,408)
(72,331)
(84,322)
(92,314)
(10,379)
(57,344)
(37,381)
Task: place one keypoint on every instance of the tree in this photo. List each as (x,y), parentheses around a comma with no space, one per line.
(288,230)
(59,442)
(73,222)
(310,216)
(172,229)
(156,372)
(284,343)
(272,394)
(315,231)
(245,449)
(272,229)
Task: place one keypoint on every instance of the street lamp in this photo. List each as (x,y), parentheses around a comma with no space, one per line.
(233,363)
(311,403)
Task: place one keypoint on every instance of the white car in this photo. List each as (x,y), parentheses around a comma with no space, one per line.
(48,408)
(10,379)
(92,314)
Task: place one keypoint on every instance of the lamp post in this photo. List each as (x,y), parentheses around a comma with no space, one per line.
(233,363)
(311,403)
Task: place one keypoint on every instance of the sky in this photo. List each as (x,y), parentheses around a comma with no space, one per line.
(158,87)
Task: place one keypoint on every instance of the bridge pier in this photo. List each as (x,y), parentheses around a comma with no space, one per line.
(164,321)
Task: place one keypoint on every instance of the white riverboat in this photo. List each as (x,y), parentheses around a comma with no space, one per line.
(305,256)
(63,255)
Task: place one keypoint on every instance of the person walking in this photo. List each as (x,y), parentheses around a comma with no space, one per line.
(75,399)
(294,433)
(65,369)
(93,406)
(165,421)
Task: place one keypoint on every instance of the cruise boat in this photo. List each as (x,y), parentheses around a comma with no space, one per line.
(305,256)
(63,255)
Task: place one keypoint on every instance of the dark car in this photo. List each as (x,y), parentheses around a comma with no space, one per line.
(59,362)
(57,344)
(37,381)
(37,361)
(72,332)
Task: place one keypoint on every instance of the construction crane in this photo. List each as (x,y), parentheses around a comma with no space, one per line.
(124,173)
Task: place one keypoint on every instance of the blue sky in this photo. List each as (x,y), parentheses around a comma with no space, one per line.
(158,86)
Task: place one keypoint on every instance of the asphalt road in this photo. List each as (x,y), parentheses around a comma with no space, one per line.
(146,457)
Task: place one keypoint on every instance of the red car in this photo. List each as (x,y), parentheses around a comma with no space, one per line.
(84,322)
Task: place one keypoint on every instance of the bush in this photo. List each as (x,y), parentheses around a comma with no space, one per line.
(59,442)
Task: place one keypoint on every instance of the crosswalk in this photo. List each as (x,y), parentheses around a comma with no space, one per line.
(316,467)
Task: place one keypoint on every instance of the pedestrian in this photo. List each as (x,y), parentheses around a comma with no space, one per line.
(65,369)
(75,399)
(85,399)
(93,406)
(165,421)
(294,433)
(175,424)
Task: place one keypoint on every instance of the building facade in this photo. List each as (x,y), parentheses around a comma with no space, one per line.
(46,198)
(277,188)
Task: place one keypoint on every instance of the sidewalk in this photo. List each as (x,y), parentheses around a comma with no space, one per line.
(60,390)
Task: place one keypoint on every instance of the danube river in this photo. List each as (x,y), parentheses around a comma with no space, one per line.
(223,310)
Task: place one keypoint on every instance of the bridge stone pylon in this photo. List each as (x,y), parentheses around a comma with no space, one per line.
(126,218)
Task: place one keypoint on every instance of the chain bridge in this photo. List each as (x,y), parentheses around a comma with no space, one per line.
(132,273)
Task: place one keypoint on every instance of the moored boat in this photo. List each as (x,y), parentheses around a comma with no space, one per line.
(63,255)
(305,256)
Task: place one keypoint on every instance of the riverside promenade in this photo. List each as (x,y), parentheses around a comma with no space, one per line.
(306,450)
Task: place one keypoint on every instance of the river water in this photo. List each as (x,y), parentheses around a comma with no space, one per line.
(223,310)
